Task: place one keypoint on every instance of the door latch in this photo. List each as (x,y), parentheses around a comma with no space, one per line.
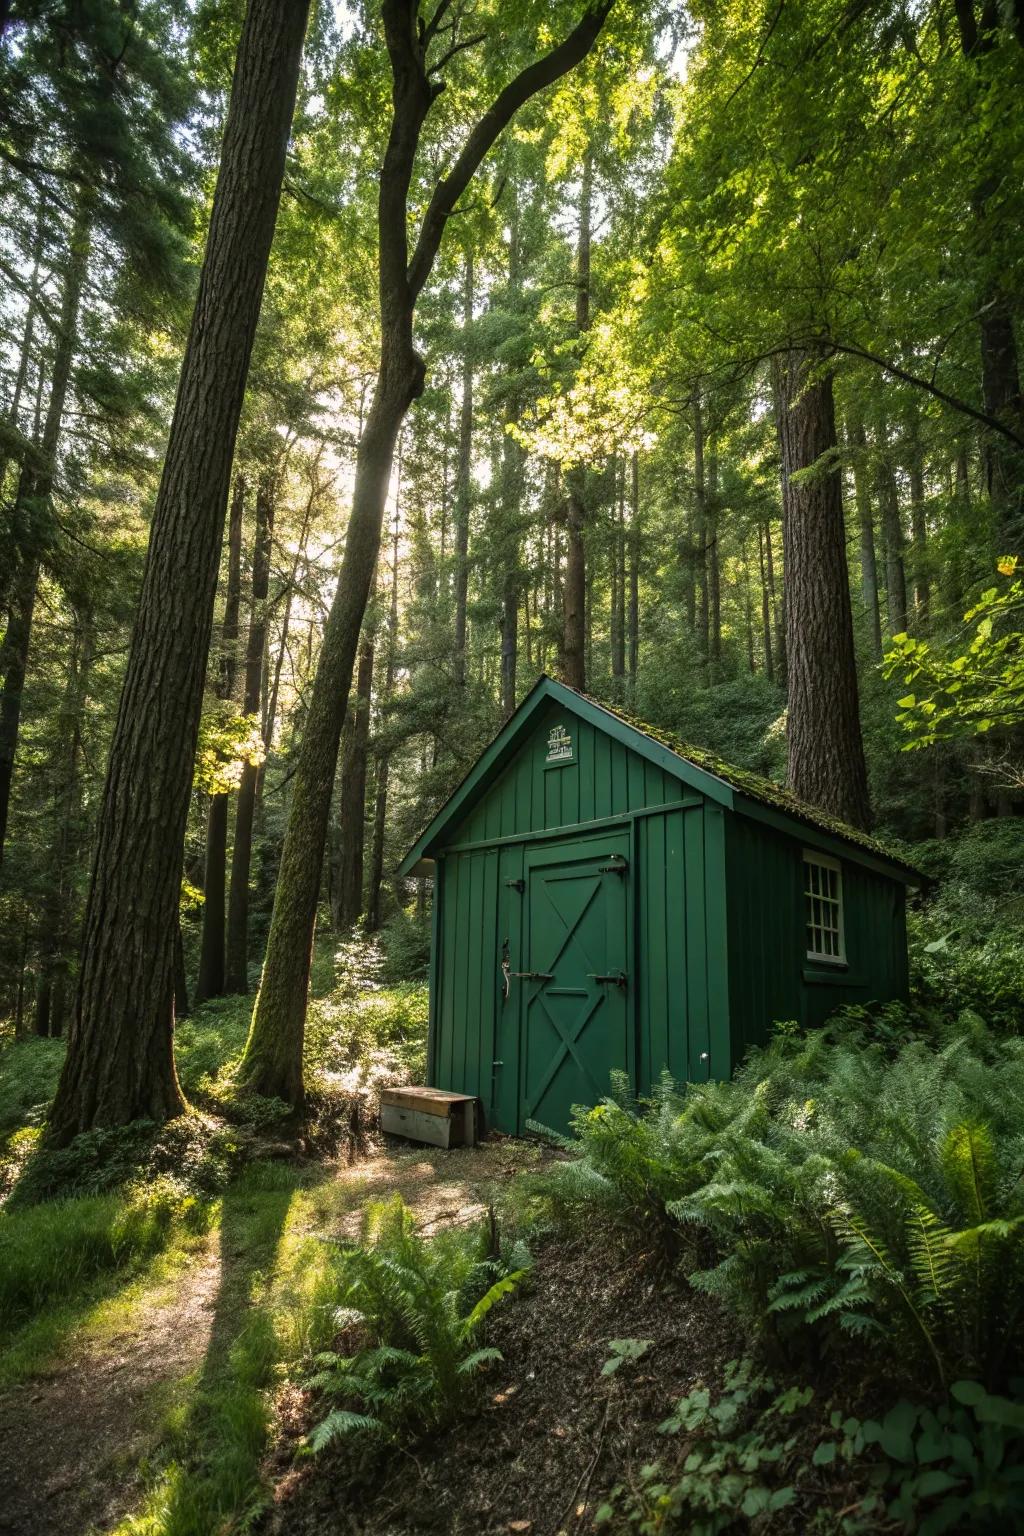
(534,975)
(617,865)
(619,978)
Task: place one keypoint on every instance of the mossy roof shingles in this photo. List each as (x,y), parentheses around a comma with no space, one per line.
(757,787)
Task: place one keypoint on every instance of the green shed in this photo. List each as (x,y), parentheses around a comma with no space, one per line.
(607,899)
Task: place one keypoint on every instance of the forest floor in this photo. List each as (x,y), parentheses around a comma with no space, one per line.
(552,1435)
(102,1429)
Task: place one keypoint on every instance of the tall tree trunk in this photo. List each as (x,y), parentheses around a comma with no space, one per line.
(714,569)
(748,608)
(574,597)
(210,981)
(919,529)
(7,557)
(778,608)
(510,545)
(633,608)
(892,542)
(348,902)
(380,806)
(31,514)
(236,971)
(58,911)
(763,535)
(700,520)
(826,753)
(858,443)
(120,1063)
(463,475)
(272,1063)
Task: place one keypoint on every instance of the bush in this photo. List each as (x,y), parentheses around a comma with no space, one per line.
(410,1311)
(837,1187)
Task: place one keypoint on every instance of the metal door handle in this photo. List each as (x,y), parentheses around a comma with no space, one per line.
(535,975)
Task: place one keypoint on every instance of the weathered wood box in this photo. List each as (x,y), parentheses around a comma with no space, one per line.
(430,1115)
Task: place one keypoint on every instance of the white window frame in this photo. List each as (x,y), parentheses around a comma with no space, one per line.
(822,861)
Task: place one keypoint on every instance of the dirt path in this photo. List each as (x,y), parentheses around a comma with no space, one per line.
(74,1437)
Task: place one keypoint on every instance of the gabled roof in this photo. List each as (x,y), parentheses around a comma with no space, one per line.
(731,787)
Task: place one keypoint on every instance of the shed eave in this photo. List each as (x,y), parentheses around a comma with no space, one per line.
(838,844)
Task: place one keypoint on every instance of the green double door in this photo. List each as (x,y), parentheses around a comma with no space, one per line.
(574,993)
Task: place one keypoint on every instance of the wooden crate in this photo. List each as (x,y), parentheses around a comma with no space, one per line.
(430,1115)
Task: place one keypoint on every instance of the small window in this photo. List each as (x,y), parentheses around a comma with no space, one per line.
(823,901)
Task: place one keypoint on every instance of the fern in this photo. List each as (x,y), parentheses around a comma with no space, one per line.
(857,1180)
(419,1305)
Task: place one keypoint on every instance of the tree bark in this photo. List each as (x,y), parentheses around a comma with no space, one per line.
(826,753)
(348,896)
(858,442)
(633,608)
(574,596)
(272,1063)
(120,1064)
(892,542)
(380,807)
(714,569)
(919,530)
(463,474)
(236,972)
(763,535)
(701,534)
(58,911)
(31,515)
(210,981)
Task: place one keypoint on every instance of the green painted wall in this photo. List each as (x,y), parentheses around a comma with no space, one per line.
(770,977)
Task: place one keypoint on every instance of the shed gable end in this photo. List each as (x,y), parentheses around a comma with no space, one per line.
(566,772)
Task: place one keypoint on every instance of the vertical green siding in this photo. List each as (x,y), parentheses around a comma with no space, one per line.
(671,964)
(770,977)
(606,779)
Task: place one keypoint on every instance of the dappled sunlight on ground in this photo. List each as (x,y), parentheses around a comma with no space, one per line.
(72,1437)
(131,1382)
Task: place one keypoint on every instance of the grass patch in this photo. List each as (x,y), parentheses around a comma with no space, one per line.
(52,1251)
(273,1306)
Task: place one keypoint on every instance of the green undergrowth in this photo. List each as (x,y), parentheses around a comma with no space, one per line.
(855,1196)
(854,1192)
(408,1351)
(385,1332)
(779,1456)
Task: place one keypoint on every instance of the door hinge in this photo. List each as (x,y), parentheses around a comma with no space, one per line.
(516,885)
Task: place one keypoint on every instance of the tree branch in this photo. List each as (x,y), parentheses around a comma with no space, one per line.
(849,350)
(535,77)
(467,42)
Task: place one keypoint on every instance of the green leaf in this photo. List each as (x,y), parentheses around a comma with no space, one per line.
(968,1392)
(896,1438)
(824,1453)
(935,1481)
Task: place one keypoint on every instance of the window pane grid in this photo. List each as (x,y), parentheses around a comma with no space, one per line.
(823,910)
